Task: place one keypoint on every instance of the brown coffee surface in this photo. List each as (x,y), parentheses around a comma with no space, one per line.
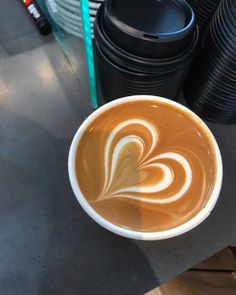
(146,165)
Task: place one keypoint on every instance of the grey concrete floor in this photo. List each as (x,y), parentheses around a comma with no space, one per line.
(48,245)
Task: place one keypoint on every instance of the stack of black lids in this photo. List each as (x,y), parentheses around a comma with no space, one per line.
(211,87)
(143,47)
(204,9)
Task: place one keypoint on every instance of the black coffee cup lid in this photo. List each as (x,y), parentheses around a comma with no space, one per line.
(150,28)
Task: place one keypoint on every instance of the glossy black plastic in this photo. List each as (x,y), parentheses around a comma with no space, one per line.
(116,81)
(211,87)
(121,72)
(136,62)
(153,29)
(204,9)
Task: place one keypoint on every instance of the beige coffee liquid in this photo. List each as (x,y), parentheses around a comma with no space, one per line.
(146,166)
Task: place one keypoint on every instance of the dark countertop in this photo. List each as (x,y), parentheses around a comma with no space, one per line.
(48,244)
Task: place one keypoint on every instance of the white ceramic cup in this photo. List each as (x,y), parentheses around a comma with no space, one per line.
(159,235)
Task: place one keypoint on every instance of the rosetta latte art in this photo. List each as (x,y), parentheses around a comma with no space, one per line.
(147,159)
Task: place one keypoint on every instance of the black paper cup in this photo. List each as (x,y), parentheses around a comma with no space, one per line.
(128,25)
(137,62)
(211,87)
(129,72)
(204,9)
(121,81)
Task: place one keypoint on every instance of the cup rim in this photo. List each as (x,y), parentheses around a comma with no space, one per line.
(132,234)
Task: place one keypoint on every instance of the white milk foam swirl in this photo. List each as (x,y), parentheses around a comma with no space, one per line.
(143,162)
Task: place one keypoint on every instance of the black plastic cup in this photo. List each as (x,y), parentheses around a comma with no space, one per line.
(136,62)
(204,10)
(120,81)
(219,81)
(221,84)
(211,87)
(225,30)
(214,114)
(154,29)
(156,65)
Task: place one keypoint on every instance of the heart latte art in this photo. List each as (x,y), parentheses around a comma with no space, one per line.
(145,166)
(145,162)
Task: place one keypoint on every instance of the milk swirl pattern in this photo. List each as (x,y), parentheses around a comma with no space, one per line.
(147,159)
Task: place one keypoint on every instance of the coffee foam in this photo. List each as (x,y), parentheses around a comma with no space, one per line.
(145,149)
(145,167)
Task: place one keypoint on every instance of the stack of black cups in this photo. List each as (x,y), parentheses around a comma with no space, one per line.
(204,9)
(143,47)
(211,87)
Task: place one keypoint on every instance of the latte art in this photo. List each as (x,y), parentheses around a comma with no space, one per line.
(144,162)
(145,165)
